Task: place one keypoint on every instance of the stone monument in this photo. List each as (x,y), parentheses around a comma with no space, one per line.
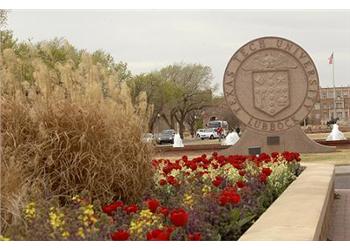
(271,85)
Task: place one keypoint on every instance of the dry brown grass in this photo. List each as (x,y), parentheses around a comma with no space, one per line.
(61,141)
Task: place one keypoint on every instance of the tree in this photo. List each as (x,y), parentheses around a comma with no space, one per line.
(7,40)
(193,92)
(3,18)
(159,93)
(194,121)
(99,56)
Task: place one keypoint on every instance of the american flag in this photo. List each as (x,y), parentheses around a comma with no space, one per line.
(330,59)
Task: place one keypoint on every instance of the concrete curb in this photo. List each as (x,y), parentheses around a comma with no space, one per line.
(301,212)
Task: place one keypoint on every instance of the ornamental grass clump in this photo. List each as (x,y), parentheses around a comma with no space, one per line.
(61,139)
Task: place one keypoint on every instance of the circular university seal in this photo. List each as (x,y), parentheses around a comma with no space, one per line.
(271,84)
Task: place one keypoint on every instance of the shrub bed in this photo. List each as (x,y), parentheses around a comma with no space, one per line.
(207,198)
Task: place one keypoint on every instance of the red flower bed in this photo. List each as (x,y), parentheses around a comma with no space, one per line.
(210,197)
(191,197)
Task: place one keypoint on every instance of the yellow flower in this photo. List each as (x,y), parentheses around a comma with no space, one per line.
(76,198)
(29,211)
(89,210)
(81,232)
(87,217)
(56,218)
(3,238)
(93,219)
(188,200)
(146,213)
(143,223)
(65,234)
(206,189)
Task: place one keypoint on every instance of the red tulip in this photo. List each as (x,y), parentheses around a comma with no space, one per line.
(158,234)
(263,177)
(229,195)
(120,235)
(242,172)
(171,180)
(109,209)
(162,182)
(155,163)
(131,209)
(179,217)
(152,205)
(291,156)
(194,236)
(274,155)
(240,184)
(263,157)
(267,171)
(164,211)
(218,180)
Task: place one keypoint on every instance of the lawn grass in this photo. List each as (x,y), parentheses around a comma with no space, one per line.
(324,135)
(340,157)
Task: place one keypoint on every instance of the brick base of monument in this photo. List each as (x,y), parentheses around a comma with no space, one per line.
(255,142)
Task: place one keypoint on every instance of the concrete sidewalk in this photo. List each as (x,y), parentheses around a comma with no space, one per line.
(340,217)
(342,170)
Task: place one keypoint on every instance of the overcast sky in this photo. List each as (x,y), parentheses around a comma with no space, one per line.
(149,40)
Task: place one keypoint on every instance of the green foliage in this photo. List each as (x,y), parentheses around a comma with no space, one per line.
(7,40)
(107,61)
(58,56)
(194,91)
(177,93)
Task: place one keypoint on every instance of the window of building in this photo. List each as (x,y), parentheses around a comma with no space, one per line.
(338,94)
(339,105)
(325,116)
(317,106)
(330,94)
(324,95)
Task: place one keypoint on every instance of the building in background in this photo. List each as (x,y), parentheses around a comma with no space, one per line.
(322,113)
(324,108)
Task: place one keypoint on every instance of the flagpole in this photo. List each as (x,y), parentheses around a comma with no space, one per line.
(333,86)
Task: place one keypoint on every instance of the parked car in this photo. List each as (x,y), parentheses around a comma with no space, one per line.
(199,131)
(166,136)
(148,137)
(208,133)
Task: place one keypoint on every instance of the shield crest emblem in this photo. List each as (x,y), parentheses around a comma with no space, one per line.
(271,91)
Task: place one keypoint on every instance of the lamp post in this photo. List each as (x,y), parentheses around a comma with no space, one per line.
(194,126)
(158,116)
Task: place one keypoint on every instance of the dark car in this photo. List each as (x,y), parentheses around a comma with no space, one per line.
(167,136)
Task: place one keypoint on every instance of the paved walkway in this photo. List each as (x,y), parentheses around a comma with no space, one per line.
(340,216)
